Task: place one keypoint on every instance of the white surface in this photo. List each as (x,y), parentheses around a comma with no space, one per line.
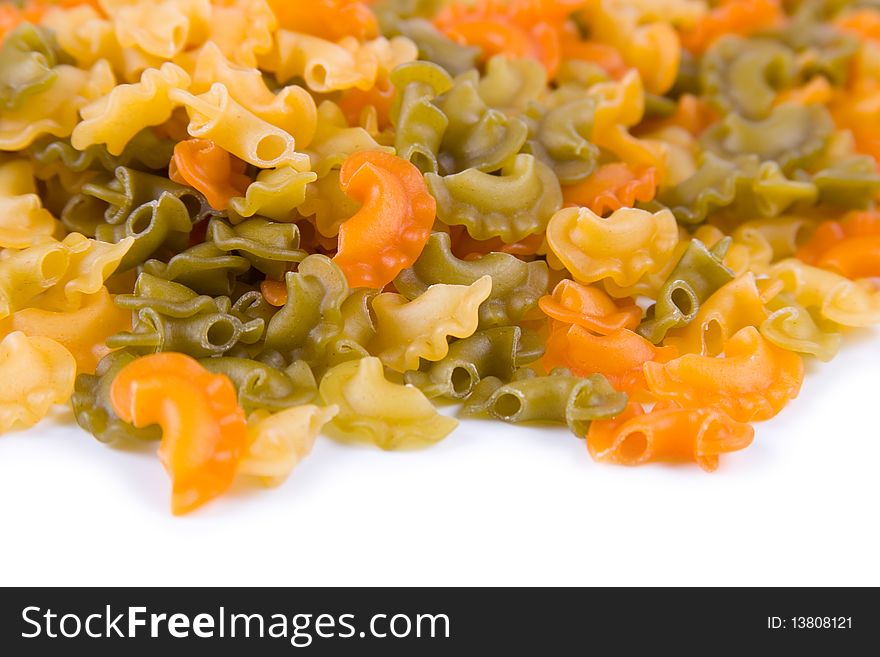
(492,504)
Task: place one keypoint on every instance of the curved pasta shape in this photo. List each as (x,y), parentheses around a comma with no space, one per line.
(792,135)
(261,386)
(390,230)
(419,124)
(277,442)
(558,397)
(328,19)
(203,165)
(562,139)
(215,115)
(409,330)
(752,382)
(372,409)
(667,433)
(38,372)
(166,298)
(516,285)
(334,140)
(791,326)
(849,303)
(243,29)
(272,248)
(513,205)
(205,268)
(623,247)
(23,219)
(275,194)
(698,274)
(129,108)
(495,352)
(160,29)
(83,332)
(732,17)
(432,44)
(476,136)
(611,187)
(850,247)
(323,65)
(589,307)
(27,58)
(618,356)
(850,183)
(55,110)
(292,109)
(204,432)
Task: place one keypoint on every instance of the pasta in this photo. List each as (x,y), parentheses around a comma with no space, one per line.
(230,226)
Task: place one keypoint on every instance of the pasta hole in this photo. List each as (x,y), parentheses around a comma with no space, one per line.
(221,333)
(633,446)
(461,381)
(507,406)
(422,162)
(713,338)
(140,221)
(318,76)
(53,264)
(271,147)
(683,301)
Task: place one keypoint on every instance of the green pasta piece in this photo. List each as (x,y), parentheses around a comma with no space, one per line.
(82,213)
(130,189)
(358,328)
(251,304)
(821,48)
(562,140)
(27,59)
(795,328)
(513,205)
(165,221)
(261,386)
(743,187)
(165,297)
(433,45)
(270,246)
(419,124)
(792,135)
(557,397)
(311,318)
(476,136)
(512,85)
(687,79)
(516,285)
(199,336)
(145,151)
(698,274)
(744,75)
(409,8)
(205,268)
(92,408)
(275,194)
(495,352)
(851,183)
(658,107)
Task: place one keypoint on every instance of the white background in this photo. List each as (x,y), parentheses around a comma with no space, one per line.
(492,504)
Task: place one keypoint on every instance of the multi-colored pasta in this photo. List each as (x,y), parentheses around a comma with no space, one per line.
(230,225)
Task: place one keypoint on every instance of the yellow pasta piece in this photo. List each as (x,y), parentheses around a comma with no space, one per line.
(54,111)
(409,330)
(623,247)
(85,35)
(27,273)
(23,220)
(216,116)
(37,372)
(83,332)
(243,29)
(277,442)
(846,302)
(325,66)
(292,109)
(274,194)
(372,409)
(161,29)
(335,140)
(129,108)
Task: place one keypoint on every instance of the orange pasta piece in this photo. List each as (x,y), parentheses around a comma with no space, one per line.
(605,56)
(620,355)
(354,101)
(390,230)
(753,381)
(817,91)
(83,332)
(590,307)
(202,164)
(743,17)
(516,29)
(850,246)
(274,292)
(204,431)
(667,433)
(328,19)
(613,186)
(864,23)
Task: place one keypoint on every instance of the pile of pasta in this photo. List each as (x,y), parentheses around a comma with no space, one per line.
(230,225)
